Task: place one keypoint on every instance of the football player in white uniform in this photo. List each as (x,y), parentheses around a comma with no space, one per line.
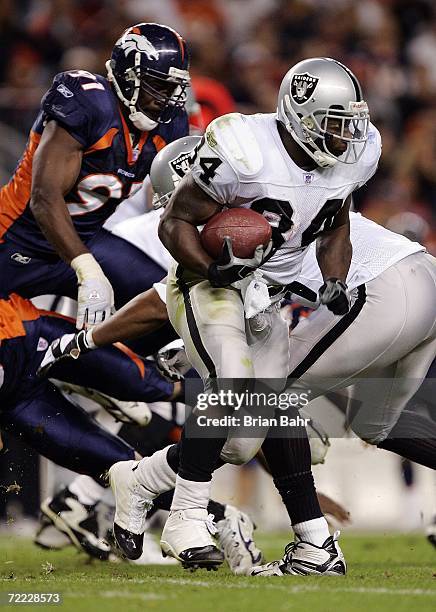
(375,252)
(383,346)
(298,168)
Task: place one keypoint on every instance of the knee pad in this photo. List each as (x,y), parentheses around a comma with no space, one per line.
(238,451)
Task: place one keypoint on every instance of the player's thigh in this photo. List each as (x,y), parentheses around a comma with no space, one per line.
(30,277)
(371,336)
(379,399)
(319,346)
(64,433)
(238,450)
(211,323)
(129,270)
(417,273)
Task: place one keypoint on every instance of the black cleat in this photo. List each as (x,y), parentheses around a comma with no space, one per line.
(129,544)
(205,557)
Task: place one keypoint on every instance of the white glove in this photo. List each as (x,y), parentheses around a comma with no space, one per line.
(95,298)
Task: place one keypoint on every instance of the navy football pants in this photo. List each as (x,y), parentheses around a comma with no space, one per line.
(37,412)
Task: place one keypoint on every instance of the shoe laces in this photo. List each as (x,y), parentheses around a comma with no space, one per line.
(290,549)
(139,506)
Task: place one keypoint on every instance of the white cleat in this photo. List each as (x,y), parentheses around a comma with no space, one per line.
(303,559)
(187,537)
(132,502)
(235,536)
(121,410)
(49,537)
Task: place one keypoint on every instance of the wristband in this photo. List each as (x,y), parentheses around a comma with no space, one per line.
(89,340)
(86,266)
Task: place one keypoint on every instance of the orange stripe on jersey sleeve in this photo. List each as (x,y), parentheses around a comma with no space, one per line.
(15,196)
(133,356)
(104,142)
(13,312)
(159,142)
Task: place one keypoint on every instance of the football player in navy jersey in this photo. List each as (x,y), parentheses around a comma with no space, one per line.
(90,147)
(32,408)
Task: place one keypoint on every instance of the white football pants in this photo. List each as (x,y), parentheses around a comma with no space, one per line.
(221,343)
(384,345)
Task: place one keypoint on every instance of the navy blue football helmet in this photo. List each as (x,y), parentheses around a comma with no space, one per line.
(149,72)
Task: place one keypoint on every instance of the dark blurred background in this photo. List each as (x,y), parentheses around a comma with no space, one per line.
(247,46)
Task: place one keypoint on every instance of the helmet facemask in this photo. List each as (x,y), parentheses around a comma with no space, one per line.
(129,86)
(316,130)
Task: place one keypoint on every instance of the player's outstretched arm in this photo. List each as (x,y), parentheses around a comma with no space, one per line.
(56,166)
(188,208)
(142,315)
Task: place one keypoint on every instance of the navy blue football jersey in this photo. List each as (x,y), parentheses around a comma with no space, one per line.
(86,107)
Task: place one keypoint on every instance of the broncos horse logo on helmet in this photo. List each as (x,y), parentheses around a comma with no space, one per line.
(150,61)
(135,42)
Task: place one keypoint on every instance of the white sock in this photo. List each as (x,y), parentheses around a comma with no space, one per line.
(315,531)
(87,490)
(155,474)
(190,494)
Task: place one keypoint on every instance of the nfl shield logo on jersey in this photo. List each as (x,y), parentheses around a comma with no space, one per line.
(303,86)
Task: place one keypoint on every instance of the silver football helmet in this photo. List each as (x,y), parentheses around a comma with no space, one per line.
(319,100)
(169,167)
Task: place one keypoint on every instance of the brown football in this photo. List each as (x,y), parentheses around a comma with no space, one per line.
(245,227)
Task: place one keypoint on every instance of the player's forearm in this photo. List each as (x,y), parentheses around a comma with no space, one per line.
(333,252)
(142,315)
(52,216)
(182,240)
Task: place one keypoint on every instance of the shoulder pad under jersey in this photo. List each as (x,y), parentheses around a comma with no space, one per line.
(81,102)
(233,140)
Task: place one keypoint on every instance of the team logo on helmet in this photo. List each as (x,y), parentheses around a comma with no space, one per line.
(302,87)
(181,165)
(135,42)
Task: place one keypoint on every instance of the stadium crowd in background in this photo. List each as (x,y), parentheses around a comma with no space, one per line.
(247,45)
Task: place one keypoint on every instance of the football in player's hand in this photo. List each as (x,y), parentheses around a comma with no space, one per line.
(246,228)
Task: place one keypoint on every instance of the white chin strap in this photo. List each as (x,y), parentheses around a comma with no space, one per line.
(141,121)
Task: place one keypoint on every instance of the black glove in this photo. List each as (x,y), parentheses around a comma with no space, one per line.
(229,268)
(69,345)
(334,294)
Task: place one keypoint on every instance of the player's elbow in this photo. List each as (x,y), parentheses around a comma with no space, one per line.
(164,230)
(39,201)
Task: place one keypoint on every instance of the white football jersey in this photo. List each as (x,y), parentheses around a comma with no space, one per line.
(243,162)
(375,249)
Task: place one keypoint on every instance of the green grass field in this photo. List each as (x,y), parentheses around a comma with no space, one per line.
(386,572)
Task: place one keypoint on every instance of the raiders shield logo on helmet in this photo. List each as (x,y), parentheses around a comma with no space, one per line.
(302,87)
(181,165)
